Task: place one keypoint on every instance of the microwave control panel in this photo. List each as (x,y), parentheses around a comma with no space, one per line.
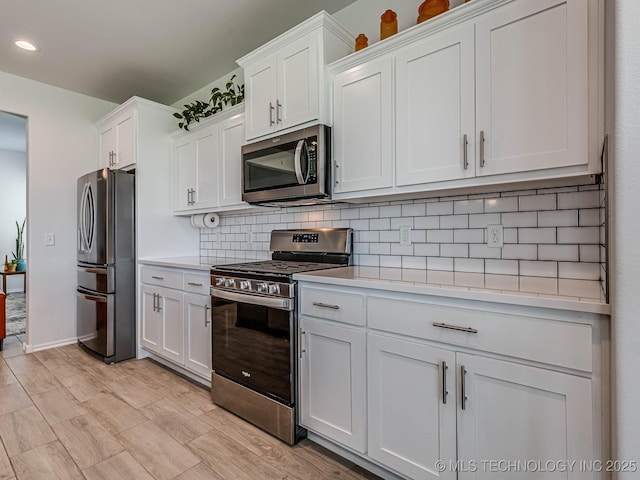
(313,160)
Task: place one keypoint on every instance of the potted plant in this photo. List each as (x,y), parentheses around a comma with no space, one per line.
(18,255)
(193,112)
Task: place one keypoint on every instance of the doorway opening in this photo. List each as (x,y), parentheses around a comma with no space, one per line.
(13,231)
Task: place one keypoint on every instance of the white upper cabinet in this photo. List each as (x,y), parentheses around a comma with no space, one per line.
(285,82)
(207,165)
(362,128)
(118,139)
(435,108)
(494,92)
(532,86)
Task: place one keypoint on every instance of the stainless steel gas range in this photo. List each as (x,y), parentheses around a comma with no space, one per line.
(255,325)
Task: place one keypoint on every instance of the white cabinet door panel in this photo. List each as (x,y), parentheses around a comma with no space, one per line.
(333,397)
(184,161)
(151,334)
(197,317)
(410,425)
(435,108)
(206,186)
(261,91)
(532,86)
(298,82)
(126,135)
(231,139)
(172,324)
(518,413)
(363,127)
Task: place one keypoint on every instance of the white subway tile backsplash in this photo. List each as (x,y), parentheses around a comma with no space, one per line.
(561,253)
(588,199)
(558,218)
(549,233)
(440,263)
(579,288)
(496,205)
(413,210)
(454,250)
(462,207)
(467,279)
(501,267)
(579,235)
(482,220)
(440,236)
(537,235)
(538,284)
(454,221)
(521,219)
(579,271)
(520,252)
(440,208)
(440,276)
(538,269)
(536,203)
(475,235)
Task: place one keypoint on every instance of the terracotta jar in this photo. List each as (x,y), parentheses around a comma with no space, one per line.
(388,24)
(430,8)
(361,42)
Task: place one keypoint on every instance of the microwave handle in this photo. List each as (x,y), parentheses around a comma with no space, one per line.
(297,161)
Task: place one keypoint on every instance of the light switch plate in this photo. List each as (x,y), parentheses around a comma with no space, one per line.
(495,236)
(49,239)
(405,236)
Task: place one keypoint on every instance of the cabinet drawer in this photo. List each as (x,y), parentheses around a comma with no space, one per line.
(331,305)
(162,277)
(548,341)
(197,283)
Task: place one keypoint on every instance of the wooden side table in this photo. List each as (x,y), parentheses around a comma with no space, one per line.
(6,274)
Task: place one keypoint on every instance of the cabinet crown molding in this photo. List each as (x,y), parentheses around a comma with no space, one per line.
(134,102)
(321,19)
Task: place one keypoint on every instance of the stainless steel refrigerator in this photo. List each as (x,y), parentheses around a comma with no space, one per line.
(106,264)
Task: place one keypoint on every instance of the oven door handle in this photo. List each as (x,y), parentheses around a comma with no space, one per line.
(277,303)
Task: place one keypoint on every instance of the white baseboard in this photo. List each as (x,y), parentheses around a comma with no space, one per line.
(27,348)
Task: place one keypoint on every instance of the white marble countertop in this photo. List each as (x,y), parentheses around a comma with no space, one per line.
(564,294)
(194,263)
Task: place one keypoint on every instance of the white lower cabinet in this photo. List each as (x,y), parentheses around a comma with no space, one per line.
(412,406)
(491,391)
(197,318)
(175,317)
(332,381)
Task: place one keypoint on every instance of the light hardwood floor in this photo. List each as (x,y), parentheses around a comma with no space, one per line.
(66,415)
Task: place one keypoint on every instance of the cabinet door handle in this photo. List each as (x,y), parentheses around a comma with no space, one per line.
(194,284)
(326,305)
(155,304)
(444,383)
(463,397)
(278,108)
(156,277)
(465,159)
(159,306)
(335,172)
(482,140)
(455,327)
(207,318)
(193,196)
(300,333)
(271,122)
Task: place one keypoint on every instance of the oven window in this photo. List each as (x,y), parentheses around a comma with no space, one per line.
(251,345)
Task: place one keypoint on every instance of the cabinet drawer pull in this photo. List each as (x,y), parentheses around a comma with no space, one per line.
(300,333)
(463,397)
(194,284)
(465,144)
(157,277)
(444,383)
(278,107)
(271,122)
(481,148)
(326,305)
(207,319)
(455,327)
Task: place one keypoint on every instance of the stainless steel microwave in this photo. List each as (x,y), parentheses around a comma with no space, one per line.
(287,168)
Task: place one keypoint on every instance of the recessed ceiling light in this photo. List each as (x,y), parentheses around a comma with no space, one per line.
(23,44)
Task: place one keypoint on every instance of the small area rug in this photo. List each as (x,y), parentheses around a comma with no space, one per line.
(16,313)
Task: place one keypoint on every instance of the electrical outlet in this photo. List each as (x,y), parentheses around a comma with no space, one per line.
(405,236)
(49,239)
(495,237)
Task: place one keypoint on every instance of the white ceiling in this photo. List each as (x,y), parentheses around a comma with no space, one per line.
(162,50)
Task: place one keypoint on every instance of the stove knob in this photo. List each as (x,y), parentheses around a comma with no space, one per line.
(261,287)
(220,282)
(274,289)
(229,282)
(245,285)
